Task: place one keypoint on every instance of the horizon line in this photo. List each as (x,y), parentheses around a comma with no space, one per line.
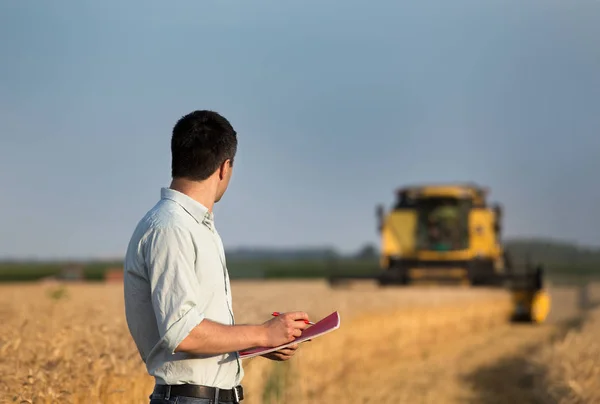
(281,249)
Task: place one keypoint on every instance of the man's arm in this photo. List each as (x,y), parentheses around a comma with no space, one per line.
(210,337)
(179,309)
(169,255)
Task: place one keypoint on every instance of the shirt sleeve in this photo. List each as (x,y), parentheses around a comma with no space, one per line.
(169,257)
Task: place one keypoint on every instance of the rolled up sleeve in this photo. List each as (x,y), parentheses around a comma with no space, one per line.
(169,257)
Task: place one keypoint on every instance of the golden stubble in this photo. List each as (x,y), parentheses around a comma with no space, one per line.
(573,364)
(70,343)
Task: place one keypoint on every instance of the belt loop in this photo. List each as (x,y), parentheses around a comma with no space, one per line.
(216,395)
(168,392)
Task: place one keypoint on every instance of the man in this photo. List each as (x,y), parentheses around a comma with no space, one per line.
(178,301)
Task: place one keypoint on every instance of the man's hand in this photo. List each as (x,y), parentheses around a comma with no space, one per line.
(284,328)
(283,354)
(212,338)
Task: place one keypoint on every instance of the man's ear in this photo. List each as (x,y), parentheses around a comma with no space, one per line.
(224,169)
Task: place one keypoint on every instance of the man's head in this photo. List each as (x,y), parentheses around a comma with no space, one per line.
(203,146)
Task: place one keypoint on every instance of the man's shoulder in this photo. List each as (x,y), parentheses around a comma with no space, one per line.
(163,218)
(167,214)
(164,223)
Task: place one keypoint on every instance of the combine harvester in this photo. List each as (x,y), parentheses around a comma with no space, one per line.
(449,234)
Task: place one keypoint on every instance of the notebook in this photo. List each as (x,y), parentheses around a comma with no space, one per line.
(322,327)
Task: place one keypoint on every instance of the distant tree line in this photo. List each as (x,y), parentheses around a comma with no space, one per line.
(555,256)
(548,252)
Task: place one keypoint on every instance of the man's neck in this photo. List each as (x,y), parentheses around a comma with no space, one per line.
(202,192)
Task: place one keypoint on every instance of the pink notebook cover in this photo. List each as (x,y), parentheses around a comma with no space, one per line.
(324,326)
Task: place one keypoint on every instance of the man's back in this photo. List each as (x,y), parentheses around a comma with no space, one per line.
(175,276)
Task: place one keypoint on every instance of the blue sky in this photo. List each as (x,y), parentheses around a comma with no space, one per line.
(336,105)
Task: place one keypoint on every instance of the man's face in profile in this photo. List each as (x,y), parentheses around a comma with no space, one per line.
(227,171)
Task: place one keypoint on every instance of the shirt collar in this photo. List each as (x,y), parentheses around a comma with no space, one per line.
(197,210)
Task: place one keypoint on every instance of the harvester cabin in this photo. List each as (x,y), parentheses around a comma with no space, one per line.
(442,213)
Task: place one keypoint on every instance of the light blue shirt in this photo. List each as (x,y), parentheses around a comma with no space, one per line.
(175,277)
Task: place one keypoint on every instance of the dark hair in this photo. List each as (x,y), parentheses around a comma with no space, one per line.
(202,140)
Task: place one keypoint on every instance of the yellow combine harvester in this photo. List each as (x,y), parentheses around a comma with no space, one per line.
(449,233)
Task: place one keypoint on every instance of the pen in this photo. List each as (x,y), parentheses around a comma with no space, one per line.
(276,313)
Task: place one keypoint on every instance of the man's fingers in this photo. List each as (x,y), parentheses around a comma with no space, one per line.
(298,324)
(280,356)
(289,350)
(283,354)
(298,315)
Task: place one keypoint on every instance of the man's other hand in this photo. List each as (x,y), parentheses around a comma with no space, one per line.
(283,354)
(284,328)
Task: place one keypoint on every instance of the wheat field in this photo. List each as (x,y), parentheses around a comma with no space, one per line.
(573,364)
(70,344)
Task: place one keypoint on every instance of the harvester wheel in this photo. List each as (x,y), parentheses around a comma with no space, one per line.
(335,282)
(393,277)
